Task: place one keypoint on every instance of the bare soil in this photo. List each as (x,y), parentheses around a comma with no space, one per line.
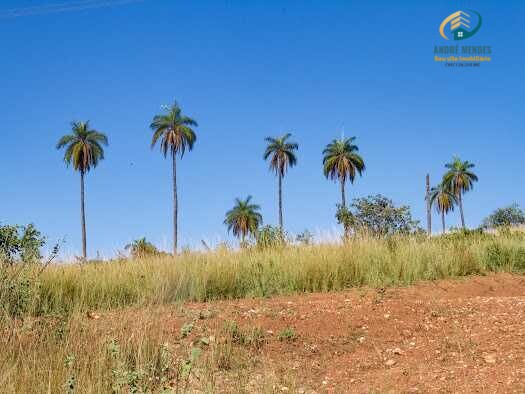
(465,335)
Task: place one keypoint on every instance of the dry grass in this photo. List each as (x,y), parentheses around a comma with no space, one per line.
(254,273)
(53,347)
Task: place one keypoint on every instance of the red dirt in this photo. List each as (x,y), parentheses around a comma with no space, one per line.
(447,336)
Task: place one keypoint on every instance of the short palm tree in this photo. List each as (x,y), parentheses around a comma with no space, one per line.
(459,179)
(141,248)
(280,153)
(84,150)
(444,200)
(175,133)
(244,218)
(341,162)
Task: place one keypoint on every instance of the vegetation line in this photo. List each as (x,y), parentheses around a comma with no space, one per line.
(262,272)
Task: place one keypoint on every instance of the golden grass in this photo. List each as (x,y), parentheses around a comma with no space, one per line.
(54,347)
(254,273)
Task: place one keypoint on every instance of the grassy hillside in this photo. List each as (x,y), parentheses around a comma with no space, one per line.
(225,274)
(50,345)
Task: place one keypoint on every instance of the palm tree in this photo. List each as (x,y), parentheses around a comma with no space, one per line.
(341,162)
(244,218)
(140,248)
(175,133)
(444,201)
(281,155)
(459,179)
(83,151)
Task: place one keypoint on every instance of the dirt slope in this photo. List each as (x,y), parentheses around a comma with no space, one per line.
(464,335)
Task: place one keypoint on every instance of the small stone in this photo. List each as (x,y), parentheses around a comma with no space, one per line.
(397,351)
(386,315)
(490,359)
(390,363)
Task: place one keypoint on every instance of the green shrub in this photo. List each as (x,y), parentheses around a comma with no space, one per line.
(20,243)
(270,237)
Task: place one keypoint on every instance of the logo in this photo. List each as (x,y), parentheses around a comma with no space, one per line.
(460,25)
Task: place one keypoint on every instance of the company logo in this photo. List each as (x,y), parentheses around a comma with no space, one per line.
(460,25)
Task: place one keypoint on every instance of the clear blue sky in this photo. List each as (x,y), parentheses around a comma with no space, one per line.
(246,70)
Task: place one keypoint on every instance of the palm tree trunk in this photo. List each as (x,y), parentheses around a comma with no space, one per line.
(281,202)
(429,208)
(83,216)
(443,220)
(461,211)
(343,198)
(175,203)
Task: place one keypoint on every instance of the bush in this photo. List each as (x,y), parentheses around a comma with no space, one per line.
(141,248)
(270,237)
(512,215)
(377,216)
(18,288)
(20,243)
(305,238)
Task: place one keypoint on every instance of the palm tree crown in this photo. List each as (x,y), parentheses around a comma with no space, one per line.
(174,131)
(459,179)
(443,199)
(281,153)
(341,162)
(244,218)
(83,147)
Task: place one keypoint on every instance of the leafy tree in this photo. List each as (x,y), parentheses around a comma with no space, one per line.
(244,218)
(281,154)
(378,216)
(9,243)
(341,162)
(444,200)
(459,179)
(512,215)
(20,243)
(83,150)
(141,248)
(175,133)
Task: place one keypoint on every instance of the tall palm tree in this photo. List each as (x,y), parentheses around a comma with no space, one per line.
(244,218)
(341,162)
(175,133)
(443,199)
(459,179)
(83,151)
(281,154)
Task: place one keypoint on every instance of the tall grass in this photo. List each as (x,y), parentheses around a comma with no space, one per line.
(64,351)
(261,273)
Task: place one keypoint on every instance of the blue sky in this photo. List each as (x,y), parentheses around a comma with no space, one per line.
(246,70)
